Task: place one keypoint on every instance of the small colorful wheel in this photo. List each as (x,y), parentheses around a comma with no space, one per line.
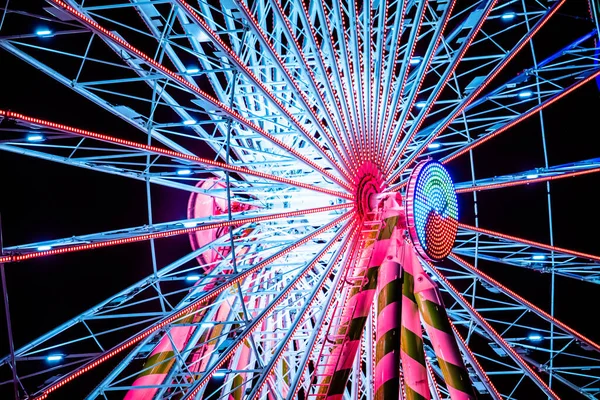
(431,210)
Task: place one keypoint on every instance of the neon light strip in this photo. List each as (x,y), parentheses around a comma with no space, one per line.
(492,332)
(170,153)
(469,99)
(184,311)
(160,235)
(520,118)
(524,302)
(530,242)
(525,181)
(172,75)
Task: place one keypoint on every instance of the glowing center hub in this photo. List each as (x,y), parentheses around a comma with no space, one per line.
(432,210)
(370,183)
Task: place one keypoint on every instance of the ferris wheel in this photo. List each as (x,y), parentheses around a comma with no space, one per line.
(332,252)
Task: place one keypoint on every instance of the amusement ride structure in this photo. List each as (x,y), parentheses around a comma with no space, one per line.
(328,258)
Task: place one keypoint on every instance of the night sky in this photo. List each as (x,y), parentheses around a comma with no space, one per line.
(40,200)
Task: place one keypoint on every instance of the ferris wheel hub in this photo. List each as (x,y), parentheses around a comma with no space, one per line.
(370,184)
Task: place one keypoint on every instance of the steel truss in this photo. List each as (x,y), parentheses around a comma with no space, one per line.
(285,101)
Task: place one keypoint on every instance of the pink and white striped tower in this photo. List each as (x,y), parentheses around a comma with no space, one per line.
(386,383)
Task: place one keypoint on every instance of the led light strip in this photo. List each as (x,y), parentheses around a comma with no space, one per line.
(184,311)
(524,302)
(215,102)
(520,118)
(529,242)
(160,235)
(170,153)
(469,99)
(492,332)
(526,181)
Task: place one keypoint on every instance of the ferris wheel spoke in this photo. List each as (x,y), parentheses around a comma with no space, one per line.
(262,315)
(302,321)
(532,176)
(125,113)
(343,16)
(310,32)
(589,76)
(192,88)
(399,83)
(240,65)
(510,250)
(28,252)
(413,81)
(569,353)
(393,128)
(388,68)
(441,83)
(344,152)
(472,360)
(435,130)
(221,319)
(487,330)
(186,308)
(186,160)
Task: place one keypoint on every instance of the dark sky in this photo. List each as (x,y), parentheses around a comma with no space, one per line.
(40,200)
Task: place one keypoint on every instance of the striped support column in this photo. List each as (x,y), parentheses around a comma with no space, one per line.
(362,299)
(411,339)
(389,307)
(162,359)
(442,338)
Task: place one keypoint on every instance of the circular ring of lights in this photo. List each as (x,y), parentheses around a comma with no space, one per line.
(432,210)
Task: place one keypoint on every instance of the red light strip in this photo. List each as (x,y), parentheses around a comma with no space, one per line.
(388,138)
(313,78)
(524,302)
(234,57)
(170,153)
(228,110)
(384,120)
(469,99)
(520,118)
(346,139)
(530,242)
(475,363)
(160,235)
(526,181)
(393,148)
(184,311)
(492,332)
